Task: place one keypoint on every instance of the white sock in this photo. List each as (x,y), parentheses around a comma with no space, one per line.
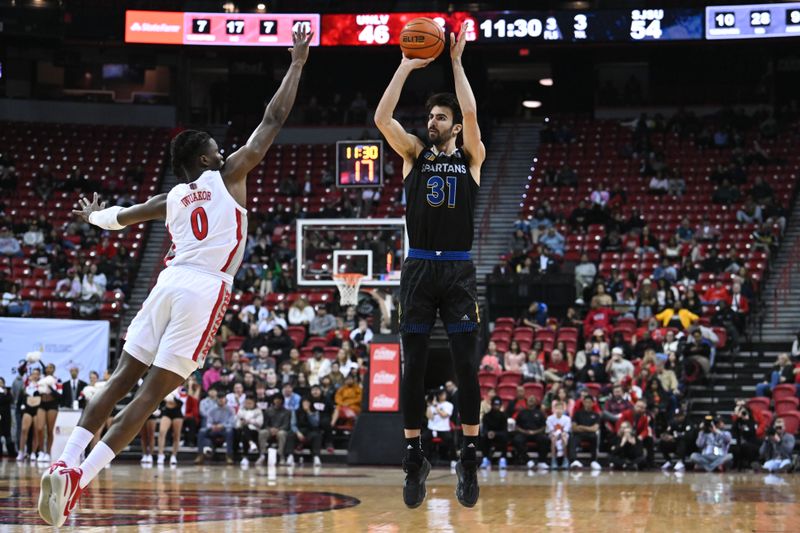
(78,441)
(99,457)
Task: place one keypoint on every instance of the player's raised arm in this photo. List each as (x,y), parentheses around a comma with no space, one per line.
(117,217)
(248,156)
(472,133)
(402,142)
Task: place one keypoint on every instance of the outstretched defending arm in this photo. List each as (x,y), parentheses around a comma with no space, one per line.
(406,145)
(248,156)
(116,217)
(472,133)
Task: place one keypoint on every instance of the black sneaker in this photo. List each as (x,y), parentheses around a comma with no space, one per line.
(467,489)
(414,487)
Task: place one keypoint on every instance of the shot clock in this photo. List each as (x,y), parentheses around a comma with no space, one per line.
(359,163)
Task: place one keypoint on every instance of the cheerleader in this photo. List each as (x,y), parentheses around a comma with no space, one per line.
(50,388)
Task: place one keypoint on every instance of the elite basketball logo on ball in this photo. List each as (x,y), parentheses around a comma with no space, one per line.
(422,38)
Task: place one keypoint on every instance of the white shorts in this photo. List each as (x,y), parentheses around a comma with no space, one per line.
(177,323)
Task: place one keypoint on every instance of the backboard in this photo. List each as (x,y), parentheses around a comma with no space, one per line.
(375,247)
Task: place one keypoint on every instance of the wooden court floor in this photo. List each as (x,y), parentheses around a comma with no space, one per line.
(128,498)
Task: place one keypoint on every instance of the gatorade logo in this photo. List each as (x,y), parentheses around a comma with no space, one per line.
(384,354)
(384,378)
(384,402)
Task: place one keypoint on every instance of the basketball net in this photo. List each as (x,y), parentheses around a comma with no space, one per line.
(348,285)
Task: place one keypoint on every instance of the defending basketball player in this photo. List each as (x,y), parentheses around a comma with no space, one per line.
(173,331)
(441,183)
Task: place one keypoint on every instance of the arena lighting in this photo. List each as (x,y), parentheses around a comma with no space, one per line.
(229,7)
(531,104)
(546,82)
(261,8)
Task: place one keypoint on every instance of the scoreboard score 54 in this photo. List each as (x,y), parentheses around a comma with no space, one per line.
(359,163)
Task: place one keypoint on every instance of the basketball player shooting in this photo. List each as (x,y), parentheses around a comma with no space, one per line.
(173,331)
(441,184)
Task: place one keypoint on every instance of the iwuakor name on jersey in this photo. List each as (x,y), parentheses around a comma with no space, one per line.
(207,226)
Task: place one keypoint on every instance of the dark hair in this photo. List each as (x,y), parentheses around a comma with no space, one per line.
(446,100)
(249,397)
(186,146)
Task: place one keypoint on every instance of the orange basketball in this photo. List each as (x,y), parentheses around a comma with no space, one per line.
(422,38)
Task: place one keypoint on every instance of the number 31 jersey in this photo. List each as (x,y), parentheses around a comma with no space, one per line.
(207,226)
(440,202)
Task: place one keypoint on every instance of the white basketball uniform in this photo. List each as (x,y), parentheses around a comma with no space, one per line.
(177,322)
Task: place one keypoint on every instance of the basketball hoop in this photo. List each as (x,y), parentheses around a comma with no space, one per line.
(348,285)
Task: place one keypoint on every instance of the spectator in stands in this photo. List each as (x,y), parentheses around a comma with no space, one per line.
(626,449)
(279,344)
(585,428)
(514,358)
(9,244)
(361,336)
(33,236)
(530,428)
(491,361)
(486,402)
(291,400)
(494,434)
(671,250)
(580,216)
(439,413)
(536,315)
(598,340)
(249,420)
(673,441)
(300,313)
(646,300)
(553,240)
(659,184)
(705,231)
(665,271)
(220,421)
(11,304)
(697,345)
(716,293)
(322,324)
(348,401)
(305,429)
(533,370)
(726,194)
(566,177)
(617,367)
(740,306)
(69,287)
(601,298)
(544,263)
(277,424)
(318,366)
(559,427)
(713,442)
(616,405)
(236,397)
(585,272)
(522,224)
(783,372)
(749,213)
(519,246)
(777,449)
(796,346)
(594,370)
(347,365)
(212,374)
(748,444)
(685,232)
(556,367)
(207,404)
(677,317)
(263,362)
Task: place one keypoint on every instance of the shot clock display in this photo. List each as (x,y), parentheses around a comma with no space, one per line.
(359,163)
(239,29)
(753,21)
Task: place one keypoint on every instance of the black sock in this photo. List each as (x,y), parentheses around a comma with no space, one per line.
(414,446)
(470,448)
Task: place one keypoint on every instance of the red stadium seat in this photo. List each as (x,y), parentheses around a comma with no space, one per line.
(786,405)
(759,403)
(784,390)
(792,422)
(534,389)
(507,392)
(509,378)
(505,322)
(487,379)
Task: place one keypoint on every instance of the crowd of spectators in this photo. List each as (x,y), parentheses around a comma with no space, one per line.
(79,262)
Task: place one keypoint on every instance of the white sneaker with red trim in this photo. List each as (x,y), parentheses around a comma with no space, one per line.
(65,485)
(45,491)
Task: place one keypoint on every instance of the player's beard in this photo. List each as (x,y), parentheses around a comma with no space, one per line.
(438,138)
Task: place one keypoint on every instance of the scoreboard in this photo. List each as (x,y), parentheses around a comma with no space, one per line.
(753,21)
(359,163)
(220,29)
(369,29)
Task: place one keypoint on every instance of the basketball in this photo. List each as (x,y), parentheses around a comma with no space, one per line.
(422,38)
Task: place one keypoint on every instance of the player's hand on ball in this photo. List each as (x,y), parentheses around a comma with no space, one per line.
(87,208)
(416,62)
(457,44)
(301,39)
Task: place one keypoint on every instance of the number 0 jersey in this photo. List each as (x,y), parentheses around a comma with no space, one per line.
(440,202)
(207,226)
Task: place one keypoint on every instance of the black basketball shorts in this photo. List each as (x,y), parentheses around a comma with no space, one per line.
(428,286)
